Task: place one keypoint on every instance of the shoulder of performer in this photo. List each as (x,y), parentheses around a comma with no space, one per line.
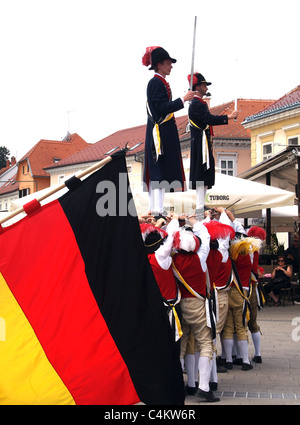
(157,80)
(198,103)
(156,85)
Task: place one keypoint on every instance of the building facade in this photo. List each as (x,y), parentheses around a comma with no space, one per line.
(275,127)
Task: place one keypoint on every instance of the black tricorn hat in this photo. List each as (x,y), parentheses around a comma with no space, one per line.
(159,55)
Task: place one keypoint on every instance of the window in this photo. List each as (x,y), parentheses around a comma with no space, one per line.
(293,141)
(267,151)
(24,192)
(227,164)
(227,167)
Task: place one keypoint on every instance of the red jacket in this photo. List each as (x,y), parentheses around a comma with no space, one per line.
(189,267)
(165,279)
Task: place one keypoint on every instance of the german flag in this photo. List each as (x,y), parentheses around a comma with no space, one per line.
(81,316)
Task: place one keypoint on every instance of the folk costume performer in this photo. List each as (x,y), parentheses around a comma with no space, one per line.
(163,168)
(202,163)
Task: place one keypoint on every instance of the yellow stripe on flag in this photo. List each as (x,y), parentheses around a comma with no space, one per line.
(26,375)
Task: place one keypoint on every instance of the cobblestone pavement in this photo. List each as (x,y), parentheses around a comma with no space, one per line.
(276,381)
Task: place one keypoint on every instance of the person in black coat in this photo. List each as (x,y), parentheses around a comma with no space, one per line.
(163,168)
(202,163)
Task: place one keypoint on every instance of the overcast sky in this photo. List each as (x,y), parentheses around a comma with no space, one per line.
(76,64)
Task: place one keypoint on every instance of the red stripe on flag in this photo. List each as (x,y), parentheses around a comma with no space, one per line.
(49,282)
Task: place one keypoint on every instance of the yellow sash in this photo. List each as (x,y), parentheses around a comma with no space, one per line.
(205,151)
(178,330)
(156,132)
(156,136)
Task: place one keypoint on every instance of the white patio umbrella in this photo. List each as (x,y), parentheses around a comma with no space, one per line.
(246,196)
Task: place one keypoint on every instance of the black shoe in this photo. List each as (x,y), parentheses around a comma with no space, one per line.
(247,366)
(213,386)
(237,362)
(207,396)
(221,369)
(220,361)
(257,359)
(228,365)
(190,390)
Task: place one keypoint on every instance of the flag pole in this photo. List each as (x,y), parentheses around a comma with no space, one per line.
(193,54)
(83,173)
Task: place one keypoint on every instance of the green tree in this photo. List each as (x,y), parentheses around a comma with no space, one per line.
(4,154)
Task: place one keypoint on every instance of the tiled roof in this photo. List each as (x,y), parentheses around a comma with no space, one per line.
(136,135)
(45,152)
(97,151)
(10,186)
(289,101)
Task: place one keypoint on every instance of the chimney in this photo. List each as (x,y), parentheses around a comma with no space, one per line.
(13,160)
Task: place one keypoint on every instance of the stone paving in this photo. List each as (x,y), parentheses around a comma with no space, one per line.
(276,381)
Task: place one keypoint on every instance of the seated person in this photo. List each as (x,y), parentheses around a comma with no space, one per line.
(293,254)
(280,279)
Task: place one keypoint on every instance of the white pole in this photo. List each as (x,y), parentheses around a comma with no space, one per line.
(193,54)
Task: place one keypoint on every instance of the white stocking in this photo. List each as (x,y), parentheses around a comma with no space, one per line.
(197,355)
(189,361)
(228,345)
(204,372)
(256,342)
(214,374)
(156,200)
(243,350)
(200,196)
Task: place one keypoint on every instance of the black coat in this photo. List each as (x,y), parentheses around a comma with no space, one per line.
(168,168)
(202,120)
